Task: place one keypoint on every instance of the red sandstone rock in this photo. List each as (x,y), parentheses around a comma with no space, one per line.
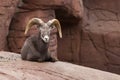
(16,69)
(7,9)
(100,46)
(97,44)
(73,7)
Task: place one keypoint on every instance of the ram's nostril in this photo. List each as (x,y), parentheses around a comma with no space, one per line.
(45,38)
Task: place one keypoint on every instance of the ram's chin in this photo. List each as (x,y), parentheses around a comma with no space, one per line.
(46,41)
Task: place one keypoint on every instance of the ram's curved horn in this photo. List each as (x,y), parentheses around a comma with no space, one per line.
(32,22)
(56,23)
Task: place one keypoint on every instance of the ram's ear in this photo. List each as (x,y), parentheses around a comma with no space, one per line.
(40,28)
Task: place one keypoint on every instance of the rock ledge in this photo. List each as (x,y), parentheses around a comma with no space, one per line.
(25,70)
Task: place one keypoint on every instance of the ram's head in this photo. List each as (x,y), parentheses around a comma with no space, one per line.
(44,28)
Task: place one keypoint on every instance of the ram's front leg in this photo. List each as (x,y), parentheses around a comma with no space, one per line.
(36,56)
(52,57)
(29,52)
(32,57)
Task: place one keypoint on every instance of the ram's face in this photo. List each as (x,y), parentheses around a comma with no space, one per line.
(45,32)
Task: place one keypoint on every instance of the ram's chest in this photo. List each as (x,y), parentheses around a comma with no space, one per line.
(41,46)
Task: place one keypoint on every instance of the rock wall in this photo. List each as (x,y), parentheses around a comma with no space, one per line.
(7,10)
(96,41)
(100,35)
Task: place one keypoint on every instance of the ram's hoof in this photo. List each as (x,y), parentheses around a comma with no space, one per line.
(54,59)
(40,60)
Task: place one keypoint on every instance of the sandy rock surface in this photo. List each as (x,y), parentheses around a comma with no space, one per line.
(25,70)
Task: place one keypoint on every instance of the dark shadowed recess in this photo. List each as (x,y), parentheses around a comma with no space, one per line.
(65,17)
(69,23)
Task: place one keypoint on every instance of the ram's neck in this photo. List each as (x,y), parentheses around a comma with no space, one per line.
(40,44)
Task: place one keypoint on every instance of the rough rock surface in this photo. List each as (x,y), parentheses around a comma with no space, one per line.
(73,7)
(26,70)
(100,35)
(7,9)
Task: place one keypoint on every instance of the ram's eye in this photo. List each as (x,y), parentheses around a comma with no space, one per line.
(42,35)
(52,27)
(48,32)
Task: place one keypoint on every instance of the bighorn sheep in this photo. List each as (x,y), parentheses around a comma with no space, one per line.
(35,47)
